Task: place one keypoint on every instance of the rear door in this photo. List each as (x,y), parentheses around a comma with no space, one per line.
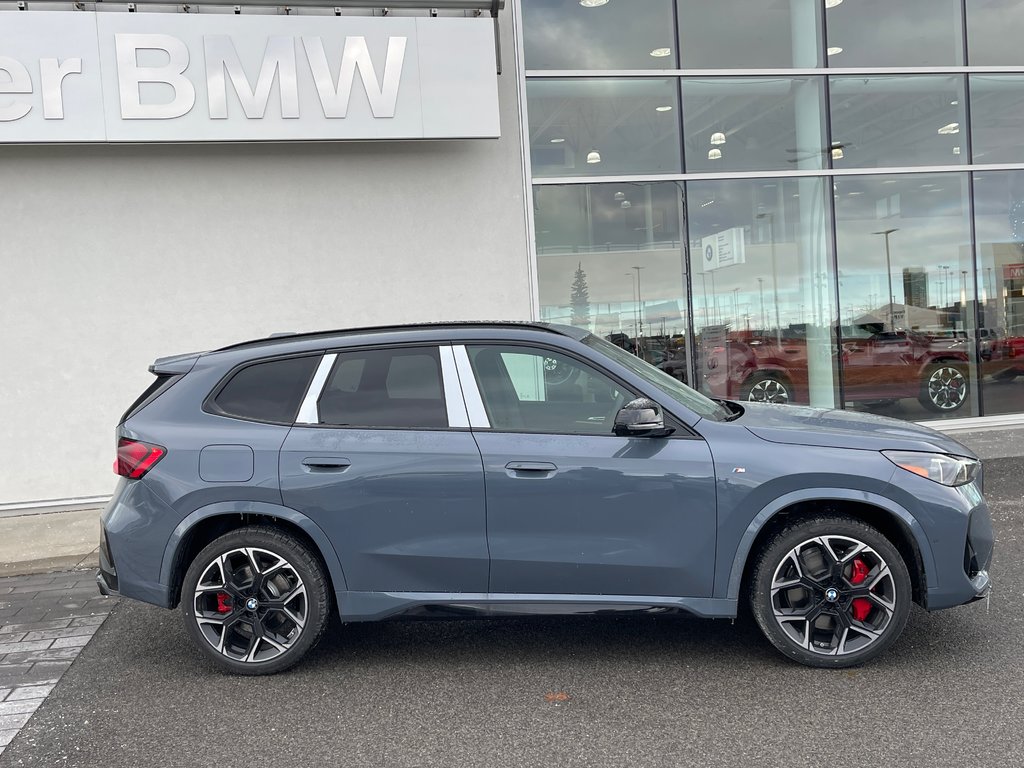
(384,462)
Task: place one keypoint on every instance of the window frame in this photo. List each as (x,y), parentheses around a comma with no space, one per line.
(683,432)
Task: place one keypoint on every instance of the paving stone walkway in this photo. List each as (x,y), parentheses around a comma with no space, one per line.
(45,621)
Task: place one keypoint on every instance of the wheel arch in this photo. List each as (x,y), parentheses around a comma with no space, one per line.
(207,523)
(891,519)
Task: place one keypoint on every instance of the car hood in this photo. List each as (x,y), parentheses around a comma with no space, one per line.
(799,425)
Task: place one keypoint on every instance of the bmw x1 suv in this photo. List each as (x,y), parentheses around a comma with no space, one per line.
(509,469)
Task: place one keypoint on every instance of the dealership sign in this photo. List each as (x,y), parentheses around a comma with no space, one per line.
(723,249)
(1013,272)
(163,77)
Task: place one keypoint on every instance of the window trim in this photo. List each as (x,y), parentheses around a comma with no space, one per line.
(211,406)
(482,423)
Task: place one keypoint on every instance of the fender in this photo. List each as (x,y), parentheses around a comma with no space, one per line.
(327,551)
(827,494)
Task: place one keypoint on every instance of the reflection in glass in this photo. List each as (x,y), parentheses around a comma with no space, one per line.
(997,114)
(753,124)
(897,121)
(883,33)
(906,293)
(739,34)
(762,289)
(994,31)
(610,258)
(566,34)
(999,229)
(600,127)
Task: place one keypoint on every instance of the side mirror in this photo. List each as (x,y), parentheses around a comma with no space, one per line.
(641,418)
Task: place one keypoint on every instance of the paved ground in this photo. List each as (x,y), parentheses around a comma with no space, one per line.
(45,621)
(640,691)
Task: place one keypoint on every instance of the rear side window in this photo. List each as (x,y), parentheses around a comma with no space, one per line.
(162,382)
(270,391)
(386,388)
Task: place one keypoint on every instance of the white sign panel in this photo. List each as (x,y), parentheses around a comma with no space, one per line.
(723,249)
(162,77)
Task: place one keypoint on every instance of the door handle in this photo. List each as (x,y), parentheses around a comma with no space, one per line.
(315,464)
(530,468)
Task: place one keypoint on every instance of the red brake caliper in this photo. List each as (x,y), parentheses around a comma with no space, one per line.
(860,607)
(223,602)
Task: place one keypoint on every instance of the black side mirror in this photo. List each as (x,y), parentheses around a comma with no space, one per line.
(641,418)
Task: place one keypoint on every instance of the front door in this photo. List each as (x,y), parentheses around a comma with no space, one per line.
(573,509)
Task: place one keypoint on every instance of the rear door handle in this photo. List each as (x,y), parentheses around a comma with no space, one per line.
(326,464)
(530,468)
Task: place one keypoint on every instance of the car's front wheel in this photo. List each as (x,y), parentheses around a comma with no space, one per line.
(766,387)
(255,600)
(830,592)
(945,387)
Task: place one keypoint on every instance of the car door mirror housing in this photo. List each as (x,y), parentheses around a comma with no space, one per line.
(641,418)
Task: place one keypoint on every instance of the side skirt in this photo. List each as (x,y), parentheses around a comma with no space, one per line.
(373,606)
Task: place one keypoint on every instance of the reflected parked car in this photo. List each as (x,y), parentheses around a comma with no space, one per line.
(878,367)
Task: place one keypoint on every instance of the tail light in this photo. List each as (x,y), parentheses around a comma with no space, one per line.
(135,458)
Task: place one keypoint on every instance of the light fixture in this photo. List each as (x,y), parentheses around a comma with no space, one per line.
(714,154)
(854,194)
(832,50)
(954,103)
(837,153)
(956,150)
(833,3)
(593,3)
(949,129)
(593,156)
(718,138)
(663,108)
(620,195)
(625,204)
(557,140)
(659,53)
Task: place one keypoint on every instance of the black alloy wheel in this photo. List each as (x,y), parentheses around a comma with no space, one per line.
(255,601)
(830,592)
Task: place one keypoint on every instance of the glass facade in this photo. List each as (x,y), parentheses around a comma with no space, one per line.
(809,201)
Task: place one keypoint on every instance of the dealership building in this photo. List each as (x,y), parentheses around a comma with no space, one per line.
(811,201)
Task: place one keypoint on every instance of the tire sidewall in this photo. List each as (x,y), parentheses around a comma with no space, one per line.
(760,377)
(304,563)
(926,399)
(780,545)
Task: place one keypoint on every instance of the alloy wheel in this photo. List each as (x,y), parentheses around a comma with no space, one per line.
(947,387)
(768,391)
(833,595)
(250,604)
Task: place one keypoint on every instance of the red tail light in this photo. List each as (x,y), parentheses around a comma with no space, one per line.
(135,458)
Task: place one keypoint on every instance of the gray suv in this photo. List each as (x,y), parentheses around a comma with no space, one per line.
(509,469)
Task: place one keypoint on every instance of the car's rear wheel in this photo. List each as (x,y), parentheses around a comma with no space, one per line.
(255,600)
(766,388)
(945,387)
(830,592)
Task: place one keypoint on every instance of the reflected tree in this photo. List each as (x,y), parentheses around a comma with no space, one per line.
(579,298)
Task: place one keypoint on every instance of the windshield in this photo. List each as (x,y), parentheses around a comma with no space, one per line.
(678,391)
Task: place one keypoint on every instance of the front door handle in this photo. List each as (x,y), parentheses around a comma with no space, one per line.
(530,468)
(326,464)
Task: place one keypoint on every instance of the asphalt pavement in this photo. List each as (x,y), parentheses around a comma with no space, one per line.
(639,691)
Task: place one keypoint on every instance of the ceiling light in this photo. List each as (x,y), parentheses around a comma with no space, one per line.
(714,154)
(832,3)
(949,129)
(659,53)
(625,204)
(927,186)
(557,141)
(593,156)
(837,153)
(832,50)
(854,194)
(620,195)
(718,137)
(954,103)
(956,150)
(598,3)
(663,108)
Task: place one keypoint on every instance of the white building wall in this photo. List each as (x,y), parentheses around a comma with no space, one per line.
(111,256)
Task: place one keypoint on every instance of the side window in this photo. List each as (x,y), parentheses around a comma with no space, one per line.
(538,390)
(388,388)
(269,391)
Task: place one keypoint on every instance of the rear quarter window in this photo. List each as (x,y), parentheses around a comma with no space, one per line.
(269,391)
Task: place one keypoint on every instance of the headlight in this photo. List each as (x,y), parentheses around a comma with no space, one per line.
(940,467)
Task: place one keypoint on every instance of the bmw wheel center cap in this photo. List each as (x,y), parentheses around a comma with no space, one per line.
(831,594)
(251,604)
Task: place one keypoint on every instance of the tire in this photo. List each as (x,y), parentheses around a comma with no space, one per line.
(854,612)
(767,388)
(945,387)
(291,601)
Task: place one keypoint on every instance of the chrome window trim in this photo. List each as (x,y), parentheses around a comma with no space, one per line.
(470,391)
(309,413)
(454,402)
